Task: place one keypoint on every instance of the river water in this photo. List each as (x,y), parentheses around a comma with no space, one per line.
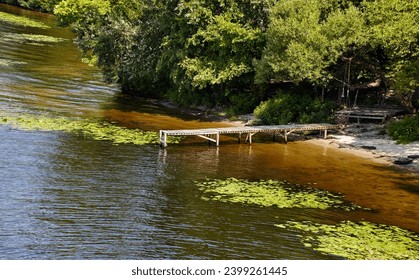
(65,196)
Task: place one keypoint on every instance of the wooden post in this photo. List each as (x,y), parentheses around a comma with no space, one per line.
(217,137)
(325,134)
(163,139)
(250,138)
(285,136)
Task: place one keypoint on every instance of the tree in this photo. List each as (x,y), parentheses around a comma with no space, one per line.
(106,33)
(189,48)
(352,43)
(307,38)
(219,40)
(393,30)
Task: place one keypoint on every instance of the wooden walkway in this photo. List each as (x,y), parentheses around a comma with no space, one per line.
(213,134)
(366,113)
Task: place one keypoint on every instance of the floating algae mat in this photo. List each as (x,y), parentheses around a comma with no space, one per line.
(9,62)
(31,39)
(272,193)
(359,241)
(97,131)
(22,21)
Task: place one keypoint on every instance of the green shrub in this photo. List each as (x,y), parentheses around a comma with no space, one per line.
(242,103)
(287,108)
(406,130)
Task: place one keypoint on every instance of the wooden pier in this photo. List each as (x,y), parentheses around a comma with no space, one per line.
(359,114)
(213,134)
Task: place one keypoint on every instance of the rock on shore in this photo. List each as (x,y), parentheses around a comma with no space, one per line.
(372,138)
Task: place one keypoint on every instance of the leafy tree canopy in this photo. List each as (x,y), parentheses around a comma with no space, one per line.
(229,49)
(316,41)
(306,37)
(394,29)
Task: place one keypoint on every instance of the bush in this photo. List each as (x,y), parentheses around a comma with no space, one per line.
(406,130)
(242,102)
(287,108)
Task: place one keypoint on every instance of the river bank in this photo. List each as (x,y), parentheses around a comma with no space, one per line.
(371,141)
(367,140)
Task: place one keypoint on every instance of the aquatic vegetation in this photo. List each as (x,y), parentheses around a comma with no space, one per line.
(8,62)
(22,21)
(32,39)
(94,130)
(359,241)
(272,193)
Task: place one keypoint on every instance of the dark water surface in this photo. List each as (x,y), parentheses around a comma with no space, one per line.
(64,196)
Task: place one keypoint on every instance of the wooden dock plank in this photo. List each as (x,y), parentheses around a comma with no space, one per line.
(208,133)
(367,113)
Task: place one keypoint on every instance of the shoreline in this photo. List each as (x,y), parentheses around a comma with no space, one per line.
(366,140)
(369,141)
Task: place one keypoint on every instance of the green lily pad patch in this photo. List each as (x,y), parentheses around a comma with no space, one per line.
(22,21)
(31,39)
(272,193)
(358,241)
(9,62)
(94,130)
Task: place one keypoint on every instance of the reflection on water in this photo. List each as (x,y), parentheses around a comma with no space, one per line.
(69,197)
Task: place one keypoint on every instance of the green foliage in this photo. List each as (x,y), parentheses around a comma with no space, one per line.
(393,29)
(406,130)
(314,40)
(306,38)
(218,51)
(222,50)
(287,108)
(359,241)
(106,33)
(83,13)
(242,102)
(268,193)
(182,47)
(40,5)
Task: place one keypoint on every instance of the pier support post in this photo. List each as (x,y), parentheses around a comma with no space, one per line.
(163,139)
(217,137)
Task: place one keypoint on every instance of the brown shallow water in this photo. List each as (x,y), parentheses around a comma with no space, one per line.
(65,196)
